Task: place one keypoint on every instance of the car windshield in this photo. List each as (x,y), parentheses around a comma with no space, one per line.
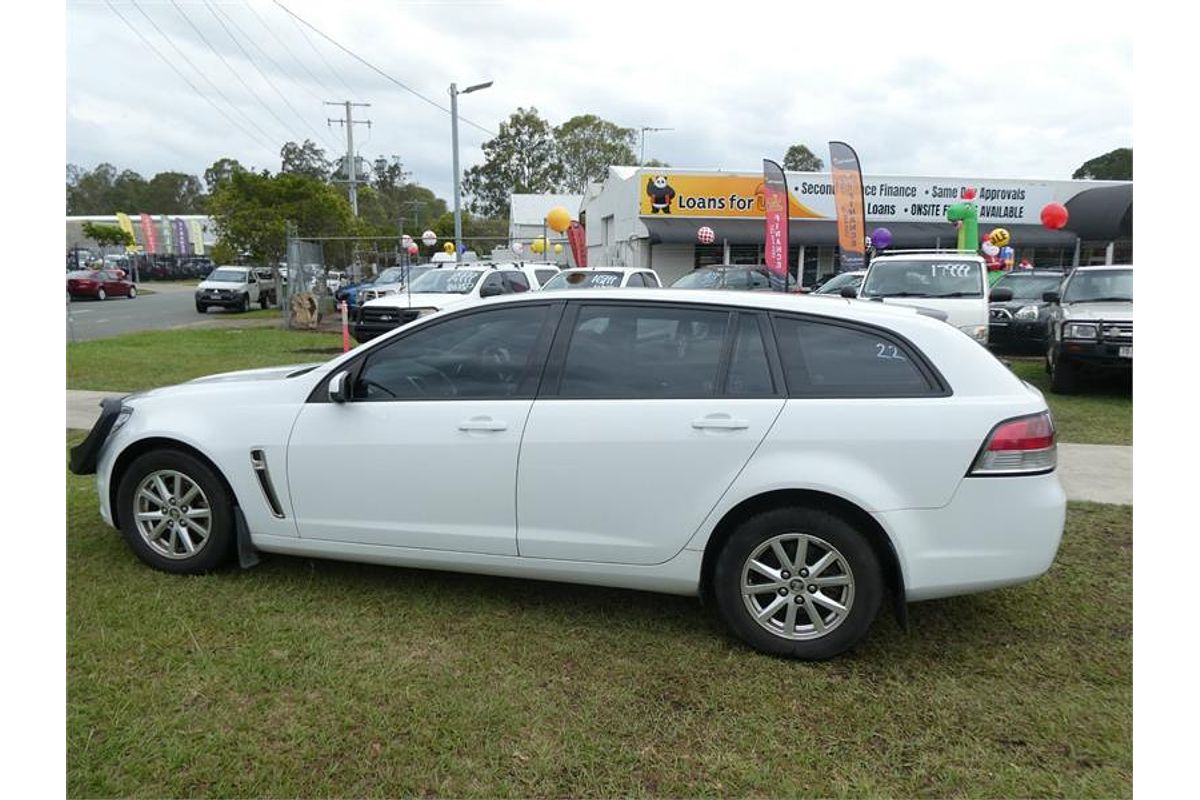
(834,285)
(592,279)
(446,281)
(1029,287)
(923,278)
(82,273)
(1098,286)
(700,279)
(227,275)
(396,274)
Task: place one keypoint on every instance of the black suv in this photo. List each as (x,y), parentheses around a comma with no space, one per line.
(1090,325)
(1020,324)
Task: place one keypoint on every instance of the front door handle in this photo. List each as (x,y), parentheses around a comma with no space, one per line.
(722,422)
(482,424)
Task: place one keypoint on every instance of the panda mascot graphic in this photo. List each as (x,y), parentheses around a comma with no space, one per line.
(661,195)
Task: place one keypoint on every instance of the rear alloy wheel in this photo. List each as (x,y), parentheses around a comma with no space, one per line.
(100,295)
(798,582)
(175,512)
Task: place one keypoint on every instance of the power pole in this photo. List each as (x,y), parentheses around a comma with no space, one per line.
(349,122)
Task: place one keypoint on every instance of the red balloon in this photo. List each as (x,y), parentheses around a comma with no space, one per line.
(1054,216)
(413,249)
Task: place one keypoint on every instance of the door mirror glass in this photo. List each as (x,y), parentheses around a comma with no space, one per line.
(849,292)
(339,387)
(1001,294)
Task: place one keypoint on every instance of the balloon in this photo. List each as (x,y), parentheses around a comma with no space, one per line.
(413,249)
(405,241)
(516,247)
(1007,252)
(558,249)
(706,235)
(990,249)
(1054,216)
(558,219)
(539,245)
(881,238)
(448,247)
(429,238)
(1000,237)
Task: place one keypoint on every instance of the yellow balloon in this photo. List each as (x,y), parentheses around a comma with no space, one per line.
(559,219)
(448,247)
(539,245)
(558,249)
(1000,237)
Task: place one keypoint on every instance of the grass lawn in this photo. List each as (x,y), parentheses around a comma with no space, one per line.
(313,678)
(1101,413)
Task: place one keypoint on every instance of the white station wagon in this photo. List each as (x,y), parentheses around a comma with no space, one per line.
(794,460)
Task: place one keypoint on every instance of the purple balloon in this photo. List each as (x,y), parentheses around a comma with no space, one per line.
(881,238)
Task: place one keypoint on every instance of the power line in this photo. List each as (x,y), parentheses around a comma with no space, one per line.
(320,55)
(371,66)
(213,10)
(216,88)
(328,92)
(185,78)
(236,74)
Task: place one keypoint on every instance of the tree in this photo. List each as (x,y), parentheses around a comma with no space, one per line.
(105,190)
(480,234)
(800,159)
(654,162)
(173,193)
(220,170)
(521,158)
(107,235)
(305,159)
(587,145)
(1116,165)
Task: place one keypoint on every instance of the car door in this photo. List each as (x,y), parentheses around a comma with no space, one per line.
(425,453)
(647,413)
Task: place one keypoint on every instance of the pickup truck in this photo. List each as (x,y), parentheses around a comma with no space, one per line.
(1090,325)
(236,287)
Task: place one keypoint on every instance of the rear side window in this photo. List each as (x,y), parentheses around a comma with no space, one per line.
(749,373)
(635,279)
(544,275)
(651,280)
(515,282)
(643,352)
(822,359)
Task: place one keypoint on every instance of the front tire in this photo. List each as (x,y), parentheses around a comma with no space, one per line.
(798,582)
(201,308)
(175,513)
(263,301)
(100,295)
(1064,376)
(132,292)
(245,306)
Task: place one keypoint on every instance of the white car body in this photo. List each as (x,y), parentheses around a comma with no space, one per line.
(229,293)
(620,277)
(969,314)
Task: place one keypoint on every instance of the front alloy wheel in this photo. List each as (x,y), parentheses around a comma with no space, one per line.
(173,514)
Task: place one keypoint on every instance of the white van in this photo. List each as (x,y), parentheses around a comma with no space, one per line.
(952,282)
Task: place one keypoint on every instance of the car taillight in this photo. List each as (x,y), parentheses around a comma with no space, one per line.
(1018,446)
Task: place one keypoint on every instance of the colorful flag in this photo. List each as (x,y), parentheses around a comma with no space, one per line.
(851,211)
(149,236)
(182,245)
(197,236)
(165,224)
(126,224)
(577,238)
(775,208)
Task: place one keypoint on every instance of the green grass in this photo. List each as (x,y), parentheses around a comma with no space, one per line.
(159,358)
(315,678)
(1101,413)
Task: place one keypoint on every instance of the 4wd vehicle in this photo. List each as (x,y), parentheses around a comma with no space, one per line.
(697,409)
(602,278)
(233,287)
(952,282)
(1020,324)
(1090,325)
(843,280)
(443,287)
(391,281)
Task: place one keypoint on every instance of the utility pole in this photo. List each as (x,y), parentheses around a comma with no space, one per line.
(349,122)
(642,160)
(454,93)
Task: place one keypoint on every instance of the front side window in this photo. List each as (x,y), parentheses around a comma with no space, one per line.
(478,356)
(821,359)
(924,278)
(544,275)
(515,282)
(1099,286)
(643,352)
(446,281)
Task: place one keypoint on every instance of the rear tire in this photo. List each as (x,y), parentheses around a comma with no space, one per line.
(175,513)
(100,295)
(263,302)
(837,570)
(132,292)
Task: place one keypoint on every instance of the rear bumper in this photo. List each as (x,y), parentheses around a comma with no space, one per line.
(995,532)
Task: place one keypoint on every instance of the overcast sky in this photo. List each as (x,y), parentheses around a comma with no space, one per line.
(1022,92)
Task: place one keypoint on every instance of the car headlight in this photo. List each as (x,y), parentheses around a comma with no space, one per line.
(977,332)
(1027,312)
(1080,330)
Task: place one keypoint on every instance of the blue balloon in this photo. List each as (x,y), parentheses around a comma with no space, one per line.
(1007,252)
(881,238)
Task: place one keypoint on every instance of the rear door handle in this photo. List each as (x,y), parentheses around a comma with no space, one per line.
(720,422)
(482,424)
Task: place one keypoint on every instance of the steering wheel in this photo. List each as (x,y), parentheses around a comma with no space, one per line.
(421,385)
(376,384)
(500,359)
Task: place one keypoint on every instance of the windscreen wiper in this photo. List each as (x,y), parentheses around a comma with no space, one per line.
(899,294)
(1104,300)
(956,294)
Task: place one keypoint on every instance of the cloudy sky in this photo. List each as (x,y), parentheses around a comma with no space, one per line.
(1027,92)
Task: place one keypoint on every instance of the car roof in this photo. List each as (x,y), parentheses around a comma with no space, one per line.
(1034,273)
(606,269)
(919,255)
(728,267)
(1099,267)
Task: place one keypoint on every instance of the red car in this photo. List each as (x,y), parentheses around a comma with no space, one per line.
(100,284)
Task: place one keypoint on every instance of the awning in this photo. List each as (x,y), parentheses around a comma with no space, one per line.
(1103,214)
(824,232)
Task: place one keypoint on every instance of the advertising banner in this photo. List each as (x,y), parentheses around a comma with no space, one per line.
(775,217)
(713,195)
(126,224)
(197,236)
(149,236)
(577,238)
(182,245)
(165,224)
(851,208)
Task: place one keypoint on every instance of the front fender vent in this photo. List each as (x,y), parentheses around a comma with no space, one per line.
(258,460)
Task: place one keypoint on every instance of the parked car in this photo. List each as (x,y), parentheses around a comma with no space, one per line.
(726,277)
(443,287)
(843,280)
(951,282)
(233,287)
(391,281)
(99,284)
(695,408)
(603,278)
(1090,325)
(1020,324)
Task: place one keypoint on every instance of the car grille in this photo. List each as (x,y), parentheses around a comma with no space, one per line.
(391,317)
(1117,332)
(1000,315)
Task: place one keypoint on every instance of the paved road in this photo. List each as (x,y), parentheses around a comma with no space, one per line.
(170,305)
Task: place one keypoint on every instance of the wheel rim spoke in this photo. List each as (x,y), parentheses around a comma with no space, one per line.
(789,621)
(801,553)
(161,519)
(799,608)
(828,602)
(772,608)
(822,563)
(815,617)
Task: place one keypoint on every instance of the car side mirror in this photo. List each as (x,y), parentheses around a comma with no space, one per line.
(849,292)
(1001,294)
(339,387)
(491,291)
(1050,297)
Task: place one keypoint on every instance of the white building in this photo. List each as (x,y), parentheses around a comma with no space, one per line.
(163,229)
(527,219)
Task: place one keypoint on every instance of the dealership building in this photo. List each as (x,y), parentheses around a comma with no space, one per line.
(650,217)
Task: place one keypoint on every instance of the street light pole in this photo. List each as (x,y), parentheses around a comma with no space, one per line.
(454,93)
